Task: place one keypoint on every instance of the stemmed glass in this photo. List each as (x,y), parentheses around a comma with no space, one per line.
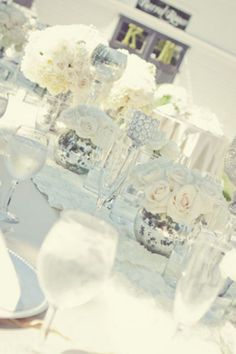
(109,65)
(201,279)
(115,170)
(25,154)
(4,98)
(74,262)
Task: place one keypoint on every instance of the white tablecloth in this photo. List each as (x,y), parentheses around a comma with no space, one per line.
(201,148)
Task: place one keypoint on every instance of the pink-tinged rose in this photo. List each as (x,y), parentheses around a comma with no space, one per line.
(186,205)
(157,197)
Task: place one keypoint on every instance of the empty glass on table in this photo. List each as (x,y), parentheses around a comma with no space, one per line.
(201,279)
(74,262)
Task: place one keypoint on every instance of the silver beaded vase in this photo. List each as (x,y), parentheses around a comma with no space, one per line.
(158,232)
(75,153)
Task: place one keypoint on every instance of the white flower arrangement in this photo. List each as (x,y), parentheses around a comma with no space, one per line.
(12,26)
(89,123)
(58,58)
(204,119)
(181,193)
(171,99)
(134,90)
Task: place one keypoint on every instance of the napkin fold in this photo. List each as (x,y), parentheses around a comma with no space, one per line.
(10,287)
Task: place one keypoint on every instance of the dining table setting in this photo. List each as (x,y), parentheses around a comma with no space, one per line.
(117,202)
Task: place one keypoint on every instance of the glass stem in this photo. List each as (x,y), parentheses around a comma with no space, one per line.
(177,330)
(50,315)
(9,195)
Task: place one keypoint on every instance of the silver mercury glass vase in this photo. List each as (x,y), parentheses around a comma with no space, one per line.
(158,233)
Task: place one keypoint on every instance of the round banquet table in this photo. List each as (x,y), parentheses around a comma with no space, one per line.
(133,312)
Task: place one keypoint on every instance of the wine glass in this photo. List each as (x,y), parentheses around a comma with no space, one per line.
(4,98)
(74,262)
(109,65)
(25,155)
(201,279)
(124,154)
(115,169)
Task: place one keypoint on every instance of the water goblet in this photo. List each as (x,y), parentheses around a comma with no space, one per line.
(201,279)
(109,65)
(4,98)
(74,262)
(25,155)
(108,62)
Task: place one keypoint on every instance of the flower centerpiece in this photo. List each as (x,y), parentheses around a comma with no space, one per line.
(13,27)
(87,132)
(171,99)
(58,58)
(133,91)
(174,198)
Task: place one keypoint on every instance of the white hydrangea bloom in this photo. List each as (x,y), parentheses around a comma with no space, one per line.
(171,99)
(135,89)
(58,58)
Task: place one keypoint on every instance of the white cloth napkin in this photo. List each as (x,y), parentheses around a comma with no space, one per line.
(10,287)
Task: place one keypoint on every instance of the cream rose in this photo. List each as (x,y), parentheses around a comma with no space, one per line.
(228,265)
(157,197)
(185,205)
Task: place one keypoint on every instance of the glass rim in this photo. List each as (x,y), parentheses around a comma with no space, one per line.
(88,220)
(212,238)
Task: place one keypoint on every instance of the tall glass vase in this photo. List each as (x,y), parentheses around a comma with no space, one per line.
(123,156)
(115,169)
(49,111)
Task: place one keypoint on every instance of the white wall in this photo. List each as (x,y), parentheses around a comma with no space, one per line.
(209,73)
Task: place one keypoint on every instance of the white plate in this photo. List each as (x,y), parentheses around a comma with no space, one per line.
(32,301)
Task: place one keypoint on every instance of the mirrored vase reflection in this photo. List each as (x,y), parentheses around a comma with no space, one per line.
(75,153)
(85,139)
(158,233)
(108,62)
(109,65)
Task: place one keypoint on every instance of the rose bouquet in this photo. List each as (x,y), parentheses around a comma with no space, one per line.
(174,198)
(134,90)
(86,131)
(58,58)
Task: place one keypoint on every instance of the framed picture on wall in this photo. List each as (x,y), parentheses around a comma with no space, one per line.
(26,3)
(165,52)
